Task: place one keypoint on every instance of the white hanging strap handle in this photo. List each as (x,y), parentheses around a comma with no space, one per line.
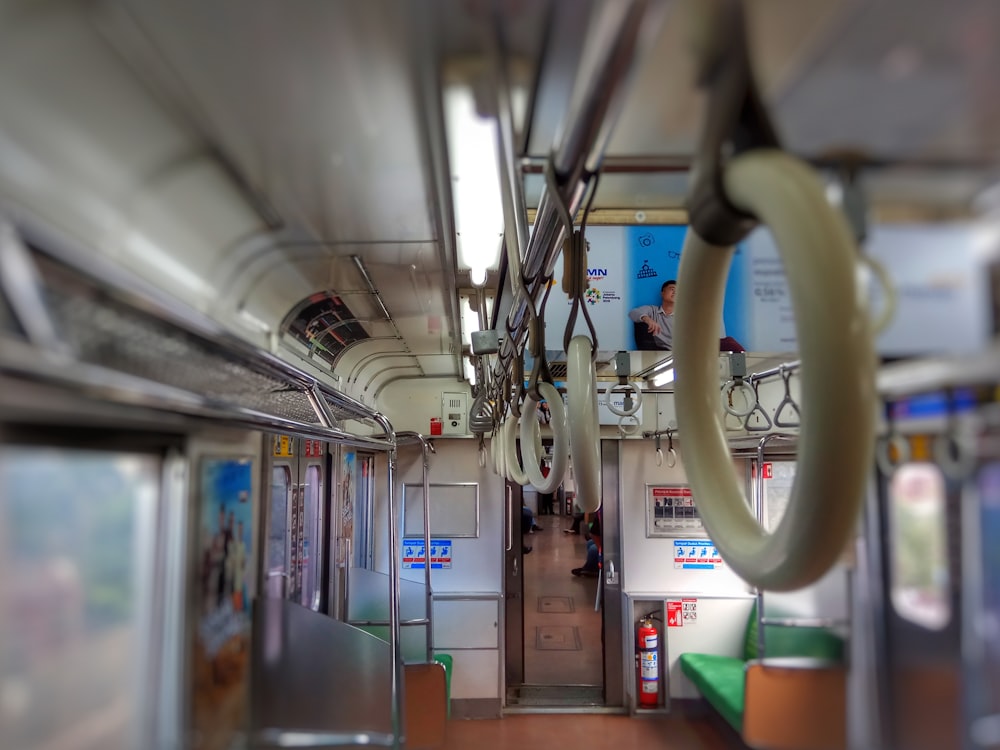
(819,258)
(671,453)
(890,299)
(530,441)
(584,432)
(636,395)
(891,452)
(749,395)
(629,425)
(514,469)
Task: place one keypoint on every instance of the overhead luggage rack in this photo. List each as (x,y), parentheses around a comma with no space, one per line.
(110,340)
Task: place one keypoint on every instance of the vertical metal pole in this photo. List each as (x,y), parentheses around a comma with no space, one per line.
(428,593)
(759,511)
(395,653)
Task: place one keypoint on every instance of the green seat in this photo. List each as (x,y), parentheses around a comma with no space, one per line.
(720,679)
(446,661)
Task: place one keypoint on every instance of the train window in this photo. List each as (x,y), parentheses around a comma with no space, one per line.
(918,545)
(454,509)
(312,541)
(75,546)
(364,532)
(277,532)
(989,615)
(778,479)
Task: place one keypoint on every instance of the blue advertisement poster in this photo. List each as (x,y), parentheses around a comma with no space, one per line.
(942,299)
(626,266)
(222,636)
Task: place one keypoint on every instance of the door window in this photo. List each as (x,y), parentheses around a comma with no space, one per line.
(277,532)
(76,549)
(918,546)
(312,536)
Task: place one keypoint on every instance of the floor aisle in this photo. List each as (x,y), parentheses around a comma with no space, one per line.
(562,632)
(589,732)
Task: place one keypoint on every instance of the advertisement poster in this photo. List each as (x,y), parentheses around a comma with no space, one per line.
(940,277)
(348,482)
(626,266)
(671,511)
(221,665)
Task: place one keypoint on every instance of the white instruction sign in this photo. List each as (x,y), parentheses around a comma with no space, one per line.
(415,554)
(696,554)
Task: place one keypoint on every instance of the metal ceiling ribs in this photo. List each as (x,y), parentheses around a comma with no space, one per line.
(113,342)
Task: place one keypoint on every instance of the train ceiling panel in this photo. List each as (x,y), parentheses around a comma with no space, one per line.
(899,81)
(251,157)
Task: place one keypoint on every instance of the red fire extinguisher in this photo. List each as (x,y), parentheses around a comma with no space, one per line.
(649,667)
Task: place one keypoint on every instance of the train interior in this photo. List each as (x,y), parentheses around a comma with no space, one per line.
(343,402)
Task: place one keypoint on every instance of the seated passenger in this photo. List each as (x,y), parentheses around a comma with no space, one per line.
(592,566)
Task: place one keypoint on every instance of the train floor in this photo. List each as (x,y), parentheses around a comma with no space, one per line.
(562,630)
(562,647)
(591,732)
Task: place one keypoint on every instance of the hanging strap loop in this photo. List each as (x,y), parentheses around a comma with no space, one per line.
(786,376)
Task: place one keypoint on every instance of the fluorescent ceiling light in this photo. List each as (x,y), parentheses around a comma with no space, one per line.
(659,374)
(470,321)
(662,378)
(472,153)
(252,321)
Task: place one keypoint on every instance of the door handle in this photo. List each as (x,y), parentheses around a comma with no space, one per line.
(611,577)
(510,518)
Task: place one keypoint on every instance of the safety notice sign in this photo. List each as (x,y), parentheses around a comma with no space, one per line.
(415,554)
(696,554)
(674,615)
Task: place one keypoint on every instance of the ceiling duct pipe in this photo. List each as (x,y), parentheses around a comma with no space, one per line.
(607,59)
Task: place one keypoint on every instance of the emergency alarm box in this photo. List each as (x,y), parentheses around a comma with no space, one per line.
(454,414)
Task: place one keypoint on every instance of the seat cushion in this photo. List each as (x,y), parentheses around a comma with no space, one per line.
(804,641)
(721,680)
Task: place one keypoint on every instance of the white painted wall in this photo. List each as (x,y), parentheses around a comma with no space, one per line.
(477,564)
(647,563)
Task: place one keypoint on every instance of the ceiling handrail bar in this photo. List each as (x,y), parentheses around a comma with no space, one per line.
(608,58)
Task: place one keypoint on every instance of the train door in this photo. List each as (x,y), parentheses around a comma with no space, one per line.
(351,524)
(294,555)
(563,631)
(513,586)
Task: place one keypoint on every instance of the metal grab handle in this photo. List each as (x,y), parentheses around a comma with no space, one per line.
(510,518)
(755,384)
(786,376)
(727,403)
(819,258)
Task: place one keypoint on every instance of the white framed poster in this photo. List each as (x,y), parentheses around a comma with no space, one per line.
(671,512)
